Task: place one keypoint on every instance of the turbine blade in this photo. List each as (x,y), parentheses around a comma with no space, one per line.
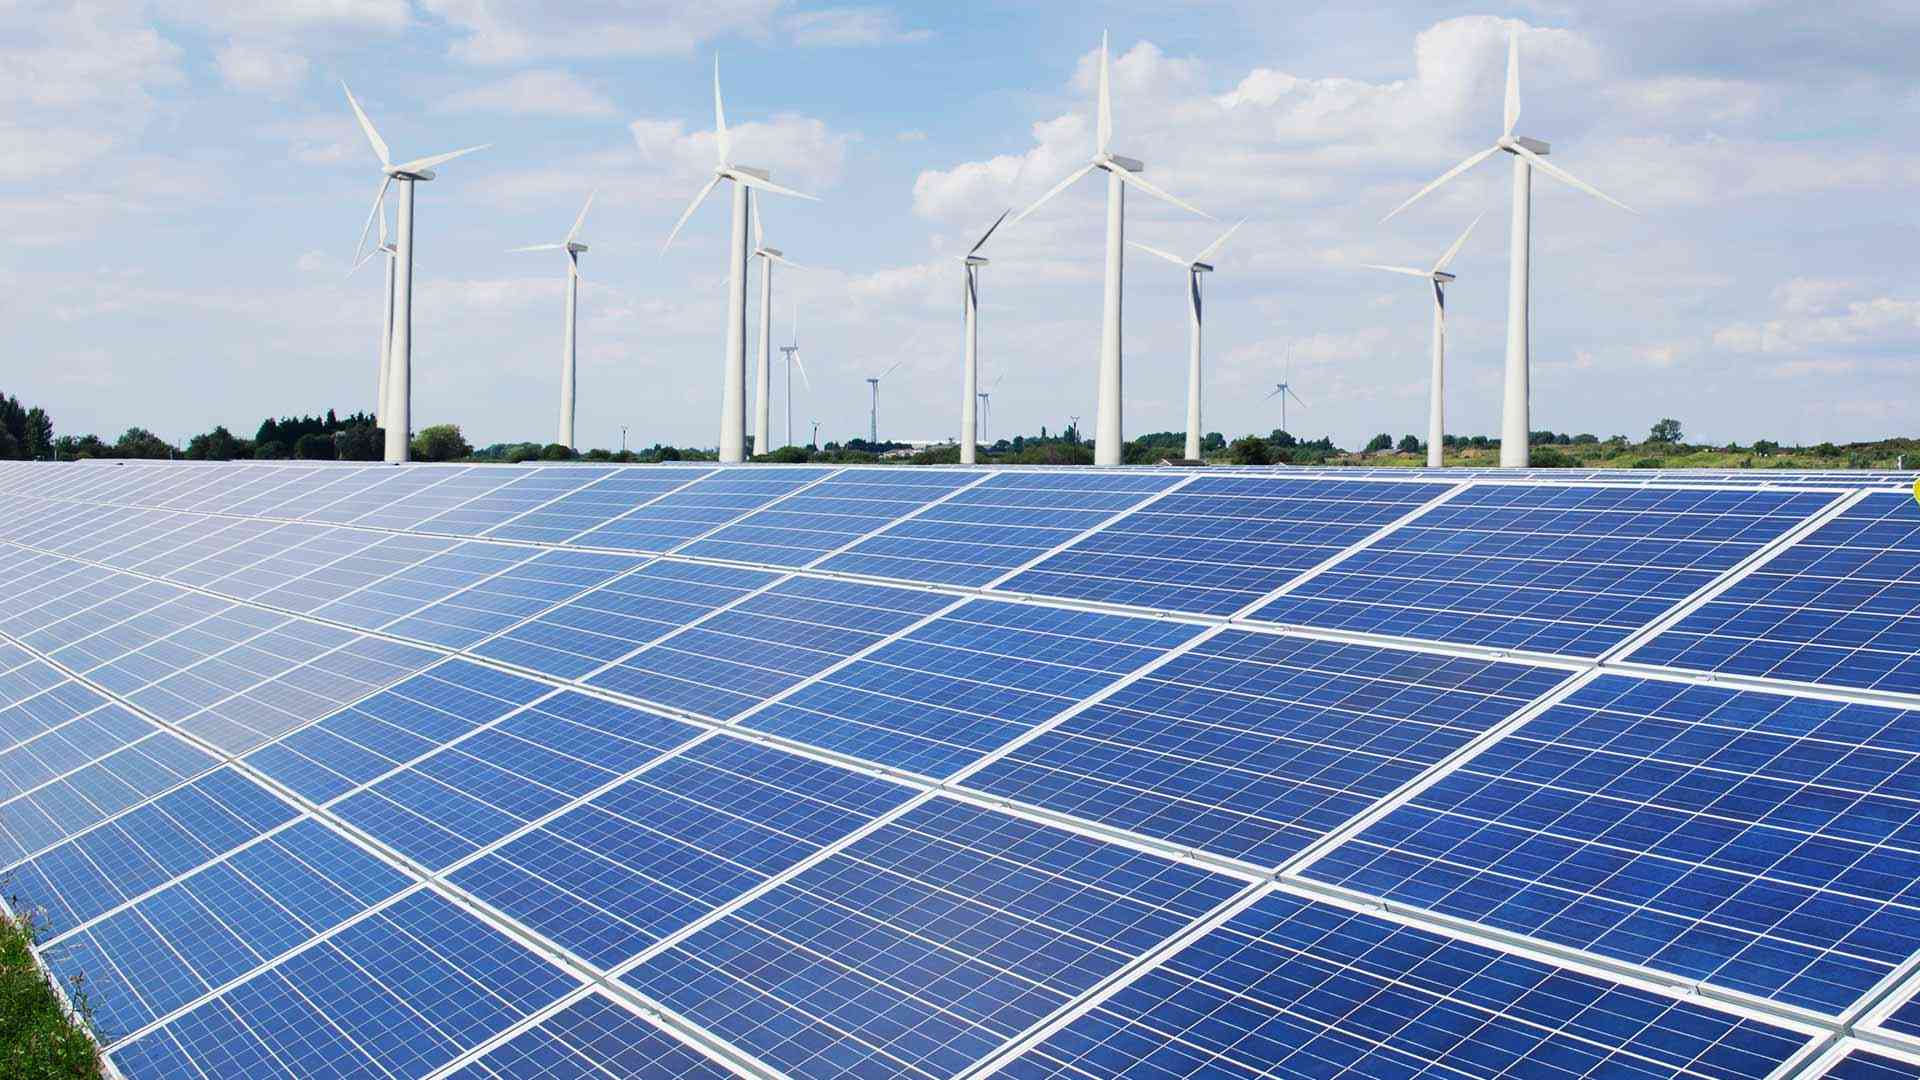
(786,262)
(1513,79)
(537,247)
(723,143)
(890,370)
(1444,177)
(758,184)
(362,261)
(691,207)
(1220,243)
(366,125)
(1440,302)
(379,200)
(1055,190)
(804,381)
(982,242)
(1554,170)
(1167,255)
(991,387)
(1458,244)
(1399,270)
(573,265)
(1134,179)
(382,204)
(753,215)
(1295,397)
(582,219)
(1276,393)
(1105,137)
(418,164)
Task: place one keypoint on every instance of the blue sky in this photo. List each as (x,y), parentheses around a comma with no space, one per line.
(182,184)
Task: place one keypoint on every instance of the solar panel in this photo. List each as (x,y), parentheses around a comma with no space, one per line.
(681,770)
(1863,1064)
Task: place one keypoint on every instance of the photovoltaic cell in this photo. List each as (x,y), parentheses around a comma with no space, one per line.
(1254,746)
(1221,543)
(1292,987)
(612,876)
(986,531)
(828,515)
(1763,842)
(1840,607)
(592,1039)
(766,644)
(966,683)
(1570,570)
(512,500)
(702,506)
(846,969)
(1861,1064)
(595,504)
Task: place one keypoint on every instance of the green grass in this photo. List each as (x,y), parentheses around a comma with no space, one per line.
(39,1040)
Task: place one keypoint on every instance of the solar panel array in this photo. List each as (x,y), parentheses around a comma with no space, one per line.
(685,771)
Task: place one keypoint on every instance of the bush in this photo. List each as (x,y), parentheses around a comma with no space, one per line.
(141,443)
(441,442)
(794,455)
(1765,446)
(314,447)
(1382,441)
(1410,444)
(360,443)
(556,452)
(1546,457)
(216,445)
(270,451)
(1250,450)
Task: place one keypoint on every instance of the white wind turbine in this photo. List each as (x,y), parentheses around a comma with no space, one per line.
(1528,155)
(1284,390)
(1121,171)
(970,365)
(1195,267)
(396,414)
(873,402)
(792,352)
(1438,275)
(986,407)
(763,404)
(733,398)
(386,327)
(568,365)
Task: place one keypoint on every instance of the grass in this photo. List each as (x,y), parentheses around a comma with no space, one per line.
(39,1038)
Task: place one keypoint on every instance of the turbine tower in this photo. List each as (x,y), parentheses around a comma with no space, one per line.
(792,352)
(763,403)
(816,435)
(733,397)
(396,414)
(567,357)
(1438,275)
(1195,267)
(1528,155)
(1284,390)
(386,327)
(970,365)
(1121,172)
(873,403)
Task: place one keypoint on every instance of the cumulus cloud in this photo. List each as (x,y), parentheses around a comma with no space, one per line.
(1880,321)
(533,93)
(522,31)
(848,26)
(261,68)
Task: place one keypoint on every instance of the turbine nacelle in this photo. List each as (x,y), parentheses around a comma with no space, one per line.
(974,260)
(574,248)
(1442,276)
(1538,147)
(396,172)
(1113,161)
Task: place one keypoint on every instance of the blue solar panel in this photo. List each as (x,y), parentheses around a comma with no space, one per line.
(828,515)
(1905,1019)
(982,533)
(845,968)
(1571,570)
(1291,987)
(1763,842)
(633,865)
(596,504)
(1221,543)
(1840,607)
(766,644)
(398,993)
(592,1039)
(1861,1064)
(511,500)
(466,795)
(972,680)
(1254,746)
(702,506)
(605,625)
(519,593)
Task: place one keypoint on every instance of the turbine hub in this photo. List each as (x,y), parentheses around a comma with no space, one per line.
(575,247)
(1442,276)
(1537,146)
(1132,165)
(397,174)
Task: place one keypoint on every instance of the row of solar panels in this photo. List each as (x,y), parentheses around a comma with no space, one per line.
(1247,747)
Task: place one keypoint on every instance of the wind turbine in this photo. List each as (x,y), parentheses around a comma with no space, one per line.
(873,403)
(1195,267)
(1121,171)
(763,404)
(733,397)
(1438,275)
(1528,155)
(793,360)
(386,328)
(970,365)
(986,407)
(396,413)
(816,435)
(1284,390)
(567,358)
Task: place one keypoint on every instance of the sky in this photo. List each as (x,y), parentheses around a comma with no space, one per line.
(182,185)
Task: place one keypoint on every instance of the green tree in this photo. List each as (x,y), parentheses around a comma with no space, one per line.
(140,443)
(441,442)
(1765,446)
(216,445)
(314,446)
(1667,431)
(361,442)
(1250,450)
(1410,444)
(75,448)
(39,433)
(556,452)
(1282,440)
(1382,441)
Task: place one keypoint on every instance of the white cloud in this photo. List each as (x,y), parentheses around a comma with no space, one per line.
(261,68)
(801,151)
(847,26)
(1881,321)
(912,136)
(519,31)
(533,93)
